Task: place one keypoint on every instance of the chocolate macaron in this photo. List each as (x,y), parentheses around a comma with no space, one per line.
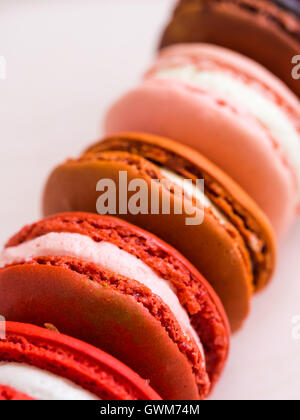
(123,290)
(266,31)
(38,364)
(233,247)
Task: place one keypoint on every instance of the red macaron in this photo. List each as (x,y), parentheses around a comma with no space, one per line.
(36,363)
(10,394)
(122,289)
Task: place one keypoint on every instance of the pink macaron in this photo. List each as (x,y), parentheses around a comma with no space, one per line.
(229,108)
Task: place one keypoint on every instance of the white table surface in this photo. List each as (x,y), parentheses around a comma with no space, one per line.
(67,60)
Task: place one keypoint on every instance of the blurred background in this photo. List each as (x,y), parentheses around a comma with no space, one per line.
(67,61)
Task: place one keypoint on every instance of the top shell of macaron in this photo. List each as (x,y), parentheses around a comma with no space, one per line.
(210,57)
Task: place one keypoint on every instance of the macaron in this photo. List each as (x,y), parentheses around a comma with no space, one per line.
(266,31)
(121,289)
(9,394)
(38,364)
(232,111)
(232,245)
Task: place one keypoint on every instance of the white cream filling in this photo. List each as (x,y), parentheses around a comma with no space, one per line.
(271,115)
(193,191)
(108,256)
(41,384)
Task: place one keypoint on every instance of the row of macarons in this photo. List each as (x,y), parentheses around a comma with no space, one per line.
(121,288)
(223,83)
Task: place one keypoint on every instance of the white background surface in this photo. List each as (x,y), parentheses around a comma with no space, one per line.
(66,62)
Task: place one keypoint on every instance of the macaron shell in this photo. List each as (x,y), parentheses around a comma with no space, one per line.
(247,30)
(72,359)
(203,245)
(227,136)
(90,312)
(9,394)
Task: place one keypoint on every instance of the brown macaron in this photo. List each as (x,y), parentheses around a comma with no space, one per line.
(234,246)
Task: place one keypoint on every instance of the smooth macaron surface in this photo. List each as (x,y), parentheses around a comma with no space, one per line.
(266,31)
(232,111)
(117,313)
(243,243)
(33,357)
